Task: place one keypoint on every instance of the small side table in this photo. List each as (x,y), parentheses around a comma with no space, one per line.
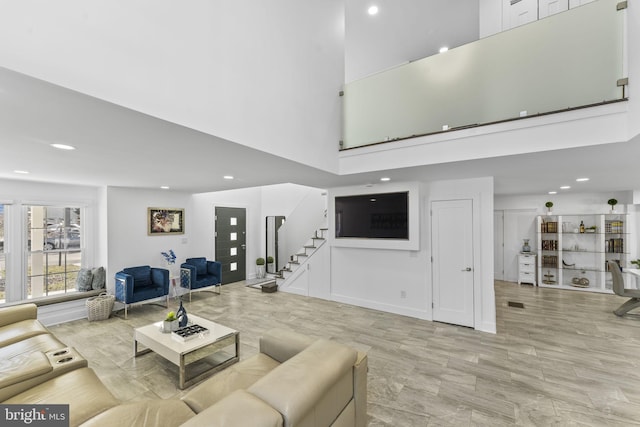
(527,268)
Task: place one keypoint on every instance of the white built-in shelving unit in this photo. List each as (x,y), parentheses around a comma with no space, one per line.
(571,259)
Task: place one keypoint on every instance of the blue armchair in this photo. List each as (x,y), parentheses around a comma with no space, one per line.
(137,284)
(198,274)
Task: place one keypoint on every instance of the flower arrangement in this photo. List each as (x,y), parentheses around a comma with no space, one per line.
(170,256)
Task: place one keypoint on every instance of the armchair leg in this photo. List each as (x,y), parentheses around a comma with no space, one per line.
(627,306)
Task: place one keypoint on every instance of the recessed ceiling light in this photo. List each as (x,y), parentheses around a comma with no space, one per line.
(21,172)
(443,49)
(385,179)
(582,179)
(373,10)
(553,192)
(63,146)
(565,187)
(228,177)
(372,200)
(165,187)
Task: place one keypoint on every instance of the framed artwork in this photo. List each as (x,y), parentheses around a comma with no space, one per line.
(165,221)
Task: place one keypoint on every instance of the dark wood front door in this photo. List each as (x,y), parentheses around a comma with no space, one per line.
(230,225)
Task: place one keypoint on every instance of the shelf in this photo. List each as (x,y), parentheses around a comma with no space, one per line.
(567,254)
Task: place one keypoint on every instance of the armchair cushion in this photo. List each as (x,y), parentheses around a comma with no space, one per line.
(141,275)
(200,264)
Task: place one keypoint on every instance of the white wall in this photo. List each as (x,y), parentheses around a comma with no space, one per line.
(399,281)
(262,74)
(403,31)
(128,242)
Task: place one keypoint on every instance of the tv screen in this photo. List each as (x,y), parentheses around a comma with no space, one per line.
(373,216)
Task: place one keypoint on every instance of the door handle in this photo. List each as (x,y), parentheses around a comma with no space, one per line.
(243,246)
(467,269)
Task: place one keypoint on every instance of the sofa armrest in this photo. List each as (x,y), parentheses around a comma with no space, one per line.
(360,371)
(160,276)
(124,287)
(282,344)
(18,313)
(215,268)
(315,383)
(191,277)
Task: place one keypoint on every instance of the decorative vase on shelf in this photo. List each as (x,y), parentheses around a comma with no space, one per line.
(181,314)
(526,247)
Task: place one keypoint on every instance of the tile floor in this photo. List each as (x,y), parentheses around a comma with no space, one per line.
(564,359)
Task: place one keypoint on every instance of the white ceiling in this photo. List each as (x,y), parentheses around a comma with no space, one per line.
(120,147)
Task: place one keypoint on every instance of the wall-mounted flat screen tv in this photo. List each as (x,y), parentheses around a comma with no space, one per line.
(373,216)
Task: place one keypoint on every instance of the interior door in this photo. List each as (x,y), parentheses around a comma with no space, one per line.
(230,226)
(452,249)
(498,245)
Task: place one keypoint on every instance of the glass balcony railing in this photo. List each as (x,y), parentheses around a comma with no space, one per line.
(570,60)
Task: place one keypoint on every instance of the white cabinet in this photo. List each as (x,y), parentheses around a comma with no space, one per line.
(551,7)
(518,12)
(573,250)
(527,268)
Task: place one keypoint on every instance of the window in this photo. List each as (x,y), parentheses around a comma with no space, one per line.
(54,254)
(3,265)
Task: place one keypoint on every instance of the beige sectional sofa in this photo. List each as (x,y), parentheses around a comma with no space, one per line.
(293,381)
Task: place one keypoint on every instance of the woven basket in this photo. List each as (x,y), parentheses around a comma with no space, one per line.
(100,307)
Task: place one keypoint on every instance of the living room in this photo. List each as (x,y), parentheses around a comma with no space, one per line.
(200,136)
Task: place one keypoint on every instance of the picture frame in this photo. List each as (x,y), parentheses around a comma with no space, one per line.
(163,221)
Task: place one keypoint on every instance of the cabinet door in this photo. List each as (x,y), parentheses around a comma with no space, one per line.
(576,3)
(518,12)
(551,7)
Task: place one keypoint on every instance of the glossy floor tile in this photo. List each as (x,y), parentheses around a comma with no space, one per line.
(563,359)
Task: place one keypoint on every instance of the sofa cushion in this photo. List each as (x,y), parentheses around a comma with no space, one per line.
(80,389)
(200,264)
(297,387)
(239,409)
(147,413)
(22,367)
(21,330)
(83,281)
(42,342)
(238,376)
(141,275)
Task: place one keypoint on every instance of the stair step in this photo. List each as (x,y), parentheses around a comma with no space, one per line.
(318,238)
(309,247)
(294,262)
(301,255)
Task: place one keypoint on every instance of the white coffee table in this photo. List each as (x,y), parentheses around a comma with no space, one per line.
(185,353)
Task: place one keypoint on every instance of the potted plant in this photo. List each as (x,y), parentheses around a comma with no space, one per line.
(612,203)
(270,261)
(636,263)
(260,268)
(170,322)
(549,205)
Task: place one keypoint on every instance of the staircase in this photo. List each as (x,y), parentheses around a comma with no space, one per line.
(297,260)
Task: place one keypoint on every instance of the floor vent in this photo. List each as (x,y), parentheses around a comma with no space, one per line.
(515,304)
